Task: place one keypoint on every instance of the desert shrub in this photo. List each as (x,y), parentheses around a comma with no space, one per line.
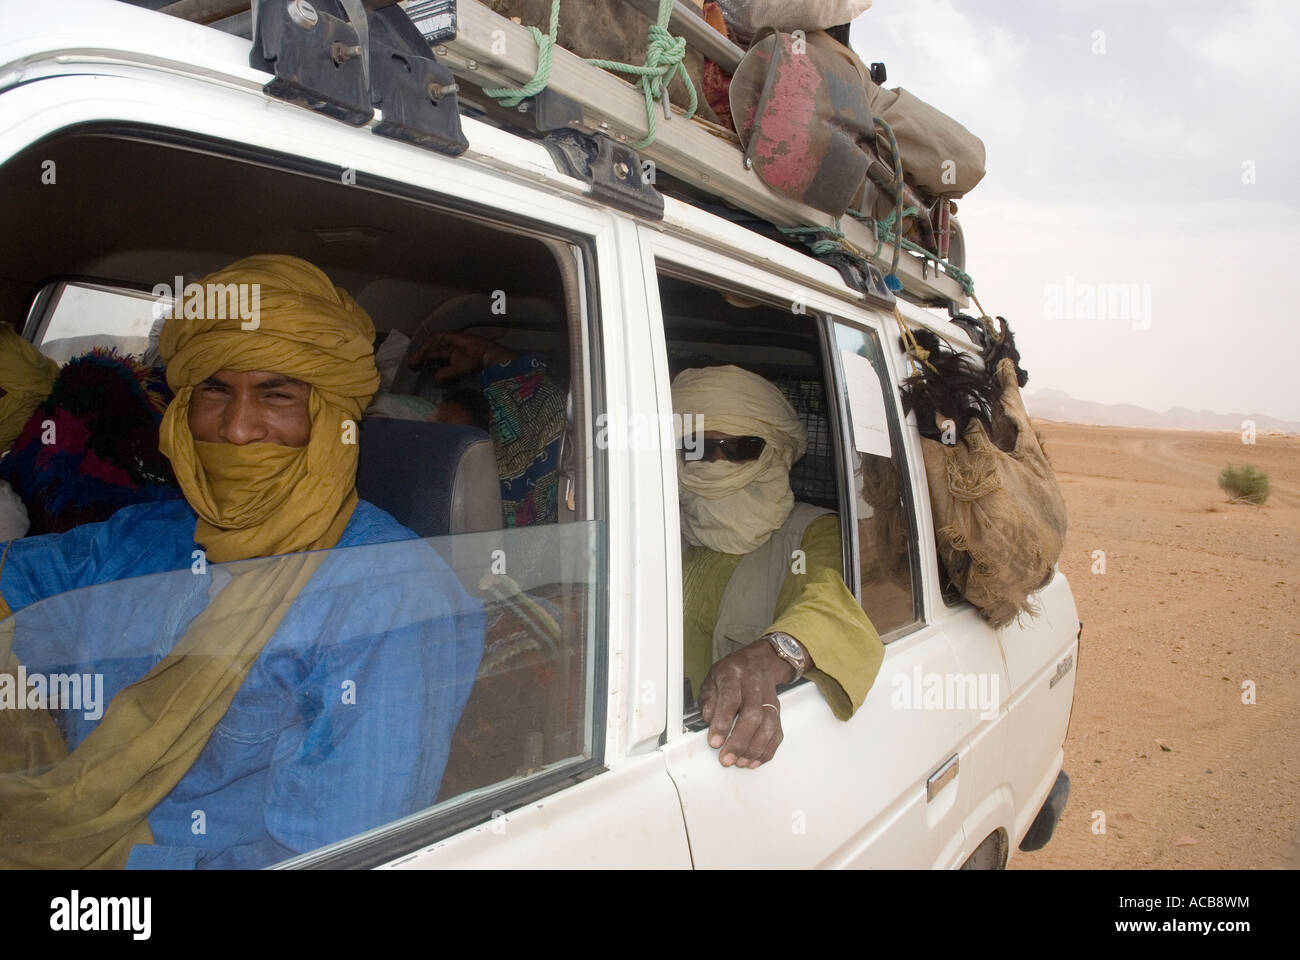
(1244,484)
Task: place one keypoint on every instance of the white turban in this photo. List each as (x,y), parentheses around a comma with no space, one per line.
(735,507)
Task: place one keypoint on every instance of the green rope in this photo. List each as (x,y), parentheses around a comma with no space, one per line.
(893,214)
(513,96)
(962,278)
(829,244)
(663,59)
(897,216)
(833,235)
(884,233)
(664,56)
(886,226)
(882,227)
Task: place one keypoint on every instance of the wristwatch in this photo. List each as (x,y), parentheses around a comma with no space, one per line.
(790,650)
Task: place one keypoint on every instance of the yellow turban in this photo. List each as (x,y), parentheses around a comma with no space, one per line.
(27,376)
(263,499)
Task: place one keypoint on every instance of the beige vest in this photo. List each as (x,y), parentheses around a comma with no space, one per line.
(748,604)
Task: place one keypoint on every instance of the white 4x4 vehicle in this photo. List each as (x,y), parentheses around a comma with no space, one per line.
(136,147)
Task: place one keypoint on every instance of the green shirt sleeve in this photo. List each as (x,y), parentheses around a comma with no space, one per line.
(816,608)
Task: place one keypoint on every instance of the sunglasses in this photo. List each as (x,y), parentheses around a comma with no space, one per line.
(734,449)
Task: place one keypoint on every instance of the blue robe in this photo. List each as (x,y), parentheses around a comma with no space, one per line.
(342,724)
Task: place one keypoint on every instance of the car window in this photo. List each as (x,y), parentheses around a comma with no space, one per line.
(350,705)
(705,327)
(81,316)
(883,514)
(365,684)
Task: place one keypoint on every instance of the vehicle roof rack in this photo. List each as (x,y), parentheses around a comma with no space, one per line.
(489,50)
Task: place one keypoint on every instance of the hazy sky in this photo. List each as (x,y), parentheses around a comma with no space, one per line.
(1120,134)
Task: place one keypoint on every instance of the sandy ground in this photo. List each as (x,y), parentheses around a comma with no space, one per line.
(1197,598)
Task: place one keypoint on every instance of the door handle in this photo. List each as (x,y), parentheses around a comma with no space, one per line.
(941,778)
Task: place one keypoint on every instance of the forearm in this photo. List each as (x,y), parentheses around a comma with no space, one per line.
(817,609)
(843,646)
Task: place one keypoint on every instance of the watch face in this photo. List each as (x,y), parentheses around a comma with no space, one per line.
(788,646)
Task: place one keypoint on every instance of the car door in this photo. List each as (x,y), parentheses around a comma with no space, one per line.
(1025,672)
(595,792)
(883,789)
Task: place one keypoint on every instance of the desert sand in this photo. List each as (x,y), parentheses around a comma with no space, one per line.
(1197,598)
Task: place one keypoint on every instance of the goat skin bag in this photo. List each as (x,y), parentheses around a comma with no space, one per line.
(803,117)
(805,120)
(999,516)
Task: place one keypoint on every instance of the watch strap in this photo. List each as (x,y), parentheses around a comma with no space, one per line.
(780,643)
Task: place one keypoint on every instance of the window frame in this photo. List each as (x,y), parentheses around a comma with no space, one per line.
(902,459)
(823,323)
(390,842)
(48,299)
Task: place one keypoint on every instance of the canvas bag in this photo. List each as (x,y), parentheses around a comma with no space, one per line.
(928,139)
(806,123)
(747,17)
(999,517)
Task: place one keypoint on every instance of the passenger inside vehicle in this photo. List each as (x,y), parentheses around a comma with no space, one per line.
(26,378)
(91,446)
(525,416)
(257,710)
(763,596)
(458,377)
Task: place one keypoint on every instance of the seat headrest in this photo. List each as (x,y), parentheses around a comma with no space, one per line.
(435,478)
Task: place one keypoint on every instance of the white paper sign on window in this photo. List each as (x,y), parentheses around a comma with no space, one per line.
(866,405)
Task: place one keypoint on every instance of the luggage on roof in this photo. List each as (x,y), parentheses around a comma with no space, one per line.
(747,17)
(466,56)
(940,156)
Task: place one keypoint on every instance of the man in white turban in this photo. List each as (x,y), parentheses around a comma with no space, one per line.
(763,596)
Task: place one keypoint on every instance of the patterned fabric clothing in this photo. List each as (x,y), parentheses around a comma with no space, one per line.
(527,422)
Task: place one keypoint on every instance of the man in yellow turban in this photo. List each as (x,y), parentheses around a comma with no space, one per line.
(763,596)
(244,712)
(26,378)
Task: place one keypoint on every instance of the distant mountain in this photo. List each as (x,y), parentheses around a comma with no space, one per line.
(65,348)
(1058,405)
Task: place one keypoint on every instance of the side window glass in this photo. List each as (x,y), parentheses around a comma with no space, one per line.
(345,706)
(883,513)
(82,316)
(364,685)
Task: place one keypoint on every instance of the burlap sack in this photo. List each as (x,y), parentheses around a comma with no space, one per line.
(999,517)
